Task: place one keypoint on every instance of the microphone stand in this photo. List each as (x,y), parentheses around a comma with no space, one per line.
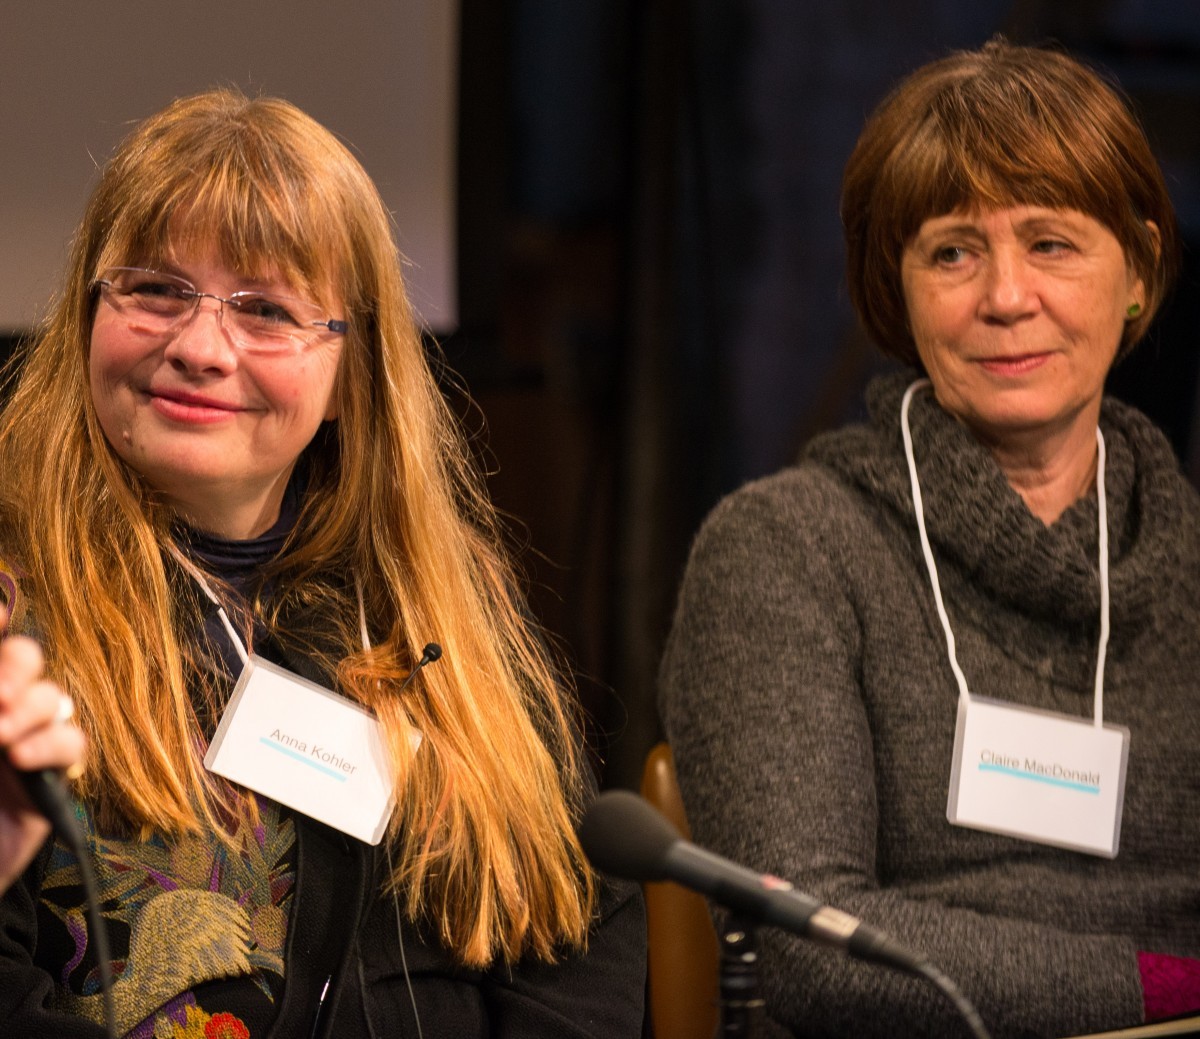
(739,999)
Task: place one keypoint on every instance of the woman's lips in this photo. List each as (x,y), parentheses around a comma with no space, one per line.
(189,408)
(1013,365)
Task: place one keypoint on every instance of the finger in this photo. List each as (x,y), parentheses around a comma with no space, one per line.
(55,746)
(32,707)
(21,662)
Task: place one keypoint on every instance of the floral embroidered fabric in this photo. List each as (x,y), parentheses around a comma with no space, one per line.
(197,930)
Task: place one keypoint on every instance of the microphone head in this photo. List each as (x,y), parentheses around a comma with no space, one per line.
(431,652)
(623,835)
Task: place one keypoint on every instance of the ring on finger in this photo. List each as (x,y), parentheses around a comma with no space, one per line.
(65,710)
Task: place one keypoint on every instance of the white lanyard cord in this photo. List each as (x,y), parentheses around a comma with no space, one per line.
(362,614)
(959,677)
(198,577)
(918,508)
(238,644)
(1102,509)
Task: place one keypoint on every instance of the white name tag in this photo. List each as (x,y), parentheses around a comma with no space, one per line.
(305,747)
(1045,777)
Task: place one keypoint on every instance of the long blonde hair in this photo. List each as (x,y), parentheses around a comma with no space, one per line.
(483,839)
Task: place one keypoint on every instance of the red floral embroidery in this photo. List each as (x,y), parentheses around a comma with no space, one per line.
(225,1026)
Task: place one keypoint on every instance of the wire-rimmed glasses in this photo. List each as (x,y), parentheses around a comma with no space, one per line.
(259,322)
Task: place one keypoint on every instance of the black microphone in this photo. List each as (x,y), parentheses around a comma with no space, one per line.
(432,652)
(623,835)
(46,789)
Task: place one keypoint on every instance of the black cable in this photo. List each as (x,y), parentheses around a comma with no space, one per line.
(396,905)
(624,835)
(46,790)
(924,969)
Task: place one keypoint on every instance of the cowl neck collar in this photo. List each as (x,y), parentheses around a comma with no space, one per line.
(980,525)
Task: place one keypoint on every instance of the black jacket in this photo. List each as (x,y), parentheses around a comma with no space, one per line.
(344,933)
(344,971)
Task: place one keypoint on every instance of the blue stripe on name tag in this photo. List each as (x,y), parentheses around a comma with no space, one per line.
(302,759)
(1083,787)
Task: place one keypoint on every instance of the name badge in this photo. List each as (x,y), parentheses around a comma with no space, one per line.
(1045,777)
(306,747)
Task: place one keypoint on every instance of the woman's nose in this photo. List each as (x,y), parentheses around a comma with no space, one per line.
(200,343)
(1010,288)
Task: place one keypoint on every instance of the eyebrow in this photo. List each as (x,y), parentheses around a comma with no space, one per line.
(1030,224)
(961,230)
(277,285)
(1048,223)
(950,229)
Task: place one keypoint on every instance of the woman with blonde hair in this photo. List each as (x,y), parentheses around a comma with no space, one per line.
(231,485)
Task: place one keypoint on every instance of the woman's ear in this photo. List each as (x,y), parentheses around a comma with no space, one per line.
(1137,284)
(1155,238)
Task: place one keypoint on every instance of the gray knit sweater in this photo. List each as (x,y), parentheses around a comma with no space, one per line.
(807,695)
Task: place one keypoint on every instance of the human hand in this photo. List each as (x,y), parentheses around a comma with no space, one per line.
(35,733)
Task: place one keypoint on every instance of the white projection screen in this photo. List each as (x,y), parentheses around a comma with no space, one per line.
(74,76)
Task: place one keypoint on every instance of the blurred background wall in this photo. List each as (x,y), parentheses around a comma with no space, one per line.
(646,304)
(75,77)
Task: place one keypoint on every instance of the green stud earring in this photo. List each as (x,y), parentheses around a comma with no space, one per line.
(1133,310)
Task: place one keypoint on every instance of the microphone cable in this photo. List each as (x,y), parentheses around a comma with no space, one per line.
(624,835)
(49,795)
(945,985)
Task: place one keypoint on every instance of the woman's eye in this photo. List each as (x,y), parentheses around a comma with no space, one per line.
(1050,246)
(950,254)
(151,288)
(268,311)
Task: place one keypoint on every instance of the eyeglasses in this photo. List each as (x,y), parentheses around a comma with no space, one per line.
(157,303)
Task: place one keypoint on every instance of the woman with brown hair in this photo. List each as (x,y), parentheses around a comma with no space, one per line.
(942,673)
(231,484)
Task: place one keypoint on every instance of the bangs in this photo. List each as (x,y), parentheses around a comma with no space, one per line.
(232,185)
(989,145)
(987,130)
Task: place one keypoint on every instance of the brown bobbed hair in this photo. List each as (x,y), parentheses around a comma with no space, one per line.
(483,844)
(981,130)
